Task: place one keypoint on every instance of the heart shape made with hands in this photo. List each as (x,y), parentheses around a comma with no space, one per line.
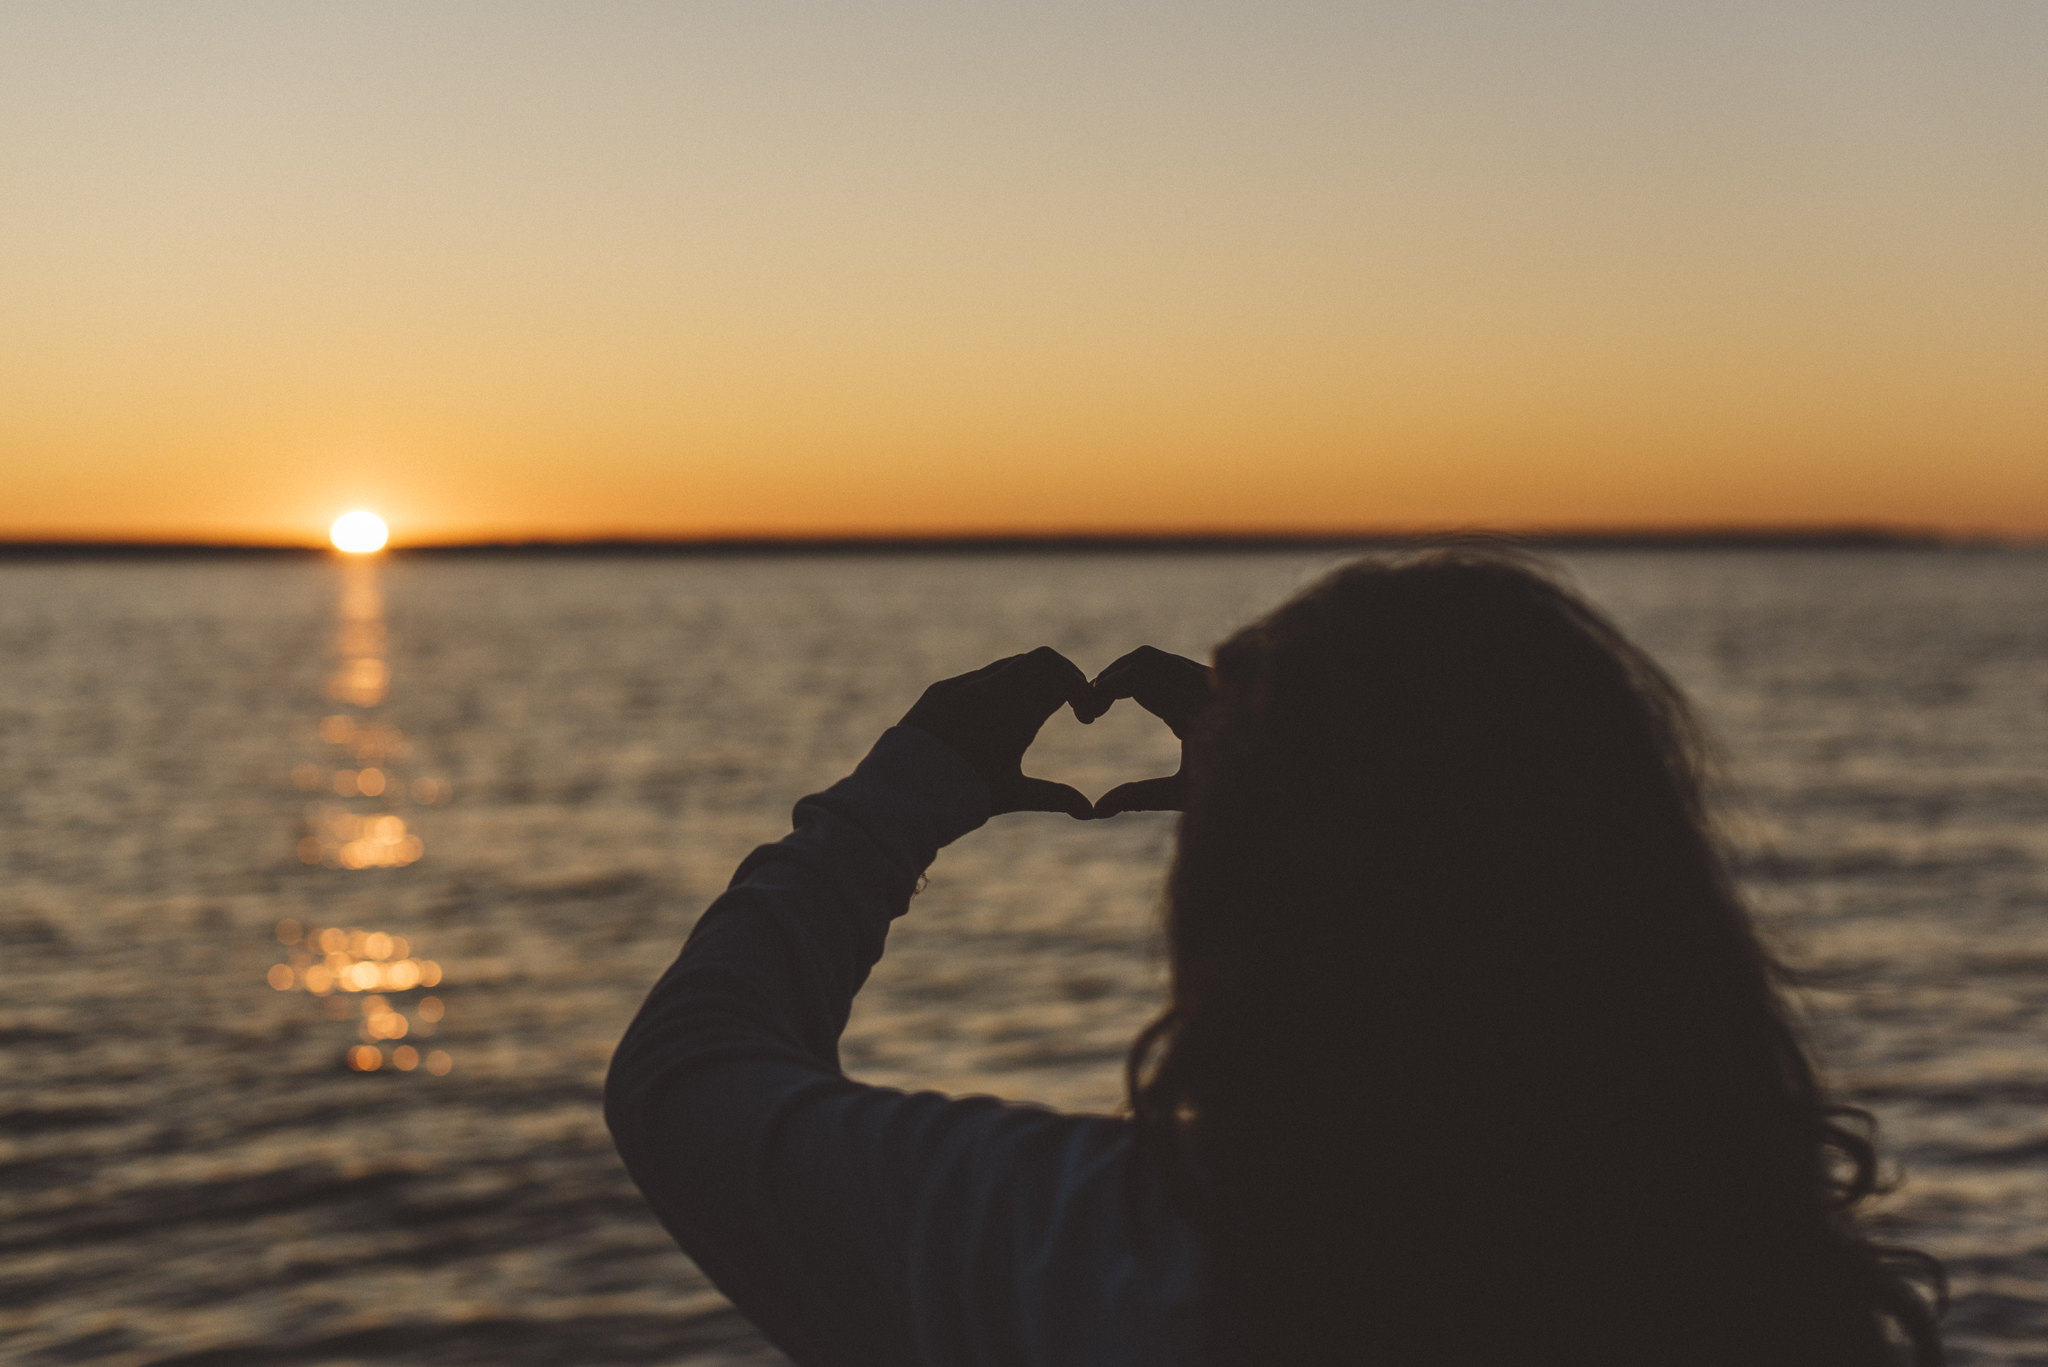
(1111,754)
(991,715)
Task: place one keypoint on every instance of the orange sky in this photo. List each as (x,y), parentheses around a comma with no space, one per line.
(537,270)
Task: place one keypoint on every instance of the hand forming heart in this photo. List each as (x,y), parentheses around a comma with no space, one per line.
(1172,688)
(991,715)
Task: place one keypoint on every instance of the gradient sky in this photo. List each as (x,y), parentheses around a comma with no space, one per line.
(518,269)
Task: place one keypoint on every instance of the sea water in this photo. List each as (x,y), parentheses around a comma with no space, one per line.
(325,891)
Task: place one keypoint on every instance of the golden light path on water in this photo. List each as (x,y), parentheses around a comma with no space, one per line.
(373,977)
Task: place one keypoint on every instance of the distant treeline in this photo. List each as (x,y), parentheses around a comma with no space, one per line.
(1685,539)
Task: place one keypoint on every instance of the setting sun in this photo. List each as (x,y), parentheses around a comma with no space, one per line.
(358,533)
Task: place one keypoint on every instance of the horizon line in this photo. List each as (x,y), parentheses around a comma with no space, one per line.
(1825,536)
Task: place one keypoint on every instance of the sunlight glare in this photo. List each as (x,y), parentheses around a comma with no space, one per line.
(358,533)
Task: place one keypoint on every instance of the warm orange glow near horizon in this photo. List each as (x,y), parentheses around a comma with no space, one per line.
(801,270)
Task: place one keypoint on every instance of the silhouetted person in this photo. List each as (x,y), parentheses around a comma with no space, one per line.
(1472,1055)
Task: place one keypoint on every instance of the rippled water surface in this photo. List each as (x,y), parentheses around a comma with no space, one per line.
(505,789)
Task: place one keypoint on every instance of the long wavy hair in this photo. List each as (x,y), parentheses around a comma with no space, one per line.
(1473,1056)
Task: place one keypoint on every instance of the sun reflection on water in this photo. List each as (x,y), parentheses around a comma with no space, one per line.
(364,755)
(336,962)
(342,839)
(373,977)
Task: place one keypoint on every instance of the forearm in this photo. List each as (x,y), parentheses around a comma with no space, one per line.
(751,1011)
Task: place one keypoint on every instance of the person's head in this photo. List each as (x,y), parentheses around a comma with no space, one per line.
(1473,1054)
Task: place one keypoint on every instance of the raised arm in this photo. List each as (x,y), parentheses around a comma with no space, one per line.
(794,1188)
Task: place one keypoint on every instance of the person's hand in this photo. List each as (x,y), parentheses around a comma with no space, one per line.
(1172,688)
(991,716)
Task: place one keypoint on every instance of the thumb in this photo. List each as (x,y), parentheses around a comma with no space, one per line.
(1043,795)
(1167,794)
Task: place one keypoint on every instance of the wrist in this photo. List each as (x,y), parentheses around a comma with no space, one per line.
(914,765)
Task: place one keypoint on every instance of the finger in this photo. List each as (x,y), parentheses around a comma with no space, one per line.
(1050,679)
(1167,794)
(1123,673)
(1043,795)
(945,697)
(948,686)
(1149,671)
(1090,706)
(1072,681)
(1171,687)
(992,667)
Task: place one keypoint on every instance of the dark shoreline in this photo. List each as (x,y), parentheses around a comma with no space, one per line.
(1684,539)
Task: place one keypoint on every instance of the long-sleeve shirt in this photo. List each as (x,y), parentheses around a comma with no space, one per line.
(863,1225)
